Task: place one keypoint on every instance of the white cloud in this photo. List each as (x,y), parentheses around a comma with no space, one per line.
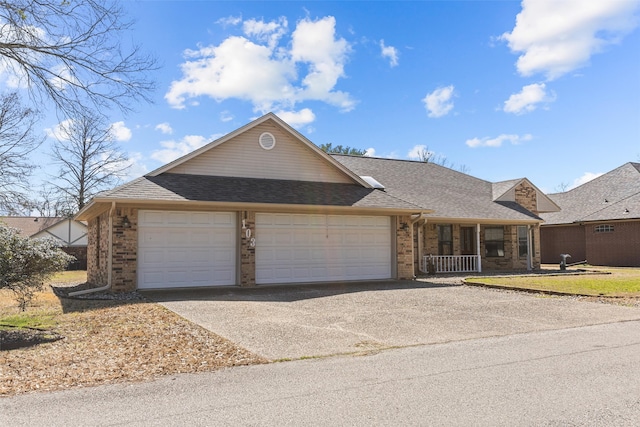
(438,102)
(588,176)
(528,99)
(557,37)
(120,132)
(63,77)
(370,152)
(226,116)
(261,68)
(172,149)
(269,32)
(297,118)
(497,142)
(59,131)
(136,166)
(230,21)
(164,128)
(315,43)
(389,52)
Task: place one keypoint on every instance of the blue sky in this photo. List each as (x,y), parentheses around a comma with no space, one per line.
(538,89)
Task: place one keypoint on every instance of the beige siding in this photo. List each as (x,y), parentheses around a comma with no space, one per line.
(242,156)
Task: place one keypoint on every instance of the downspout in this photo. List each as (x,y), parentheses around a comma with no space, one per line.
(109,260)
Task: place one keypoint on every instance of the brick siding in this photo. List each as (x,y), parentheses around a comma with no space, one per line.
(247,252)
(619,248)
(404,248)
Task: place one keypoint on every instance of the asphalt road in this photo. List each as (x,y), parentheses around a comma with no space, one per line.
(586,375)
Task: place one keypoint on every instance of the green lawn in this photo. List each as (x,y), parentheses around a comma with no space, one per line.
(619,282)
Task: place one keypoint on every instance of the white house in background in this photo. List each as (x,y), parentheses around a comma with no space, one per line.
(71,234)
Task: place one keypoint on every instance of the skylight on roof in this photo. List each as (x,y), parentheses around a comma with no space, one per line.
(372,182)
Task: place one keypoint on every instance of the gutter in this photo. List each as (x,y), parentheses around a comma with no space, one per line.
(109,260)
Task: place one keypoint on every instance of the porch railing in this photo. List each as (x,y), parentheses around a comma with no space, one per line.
(449,263)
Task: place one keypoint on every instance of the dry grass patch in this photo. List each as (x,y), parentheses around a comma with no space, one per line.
(110,341)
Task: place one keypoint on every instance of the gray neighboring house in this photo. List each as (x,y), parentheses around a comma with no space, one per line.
(264,205)
(599,221)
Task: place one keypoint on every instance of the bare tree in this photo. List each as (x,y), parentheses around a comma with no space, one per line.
(48,203)
(427,156)
(562,187)
(17,141)
(89,159)
(71,52)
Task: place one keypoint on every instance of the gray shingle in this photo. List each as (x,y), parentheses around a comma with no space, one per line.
(450,193)
(179,187)
(604,198)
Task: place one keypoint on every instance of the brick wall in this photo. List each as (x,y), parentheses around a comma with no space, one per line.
(404,248)
(125,250)
(620,248)
(247,251)
(98,249)
(563,240)
(80,255)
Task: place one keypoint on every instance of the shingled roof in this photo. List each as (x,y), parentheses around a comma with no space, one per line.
(30,225)
(199,188)
(612,196)
(451,194)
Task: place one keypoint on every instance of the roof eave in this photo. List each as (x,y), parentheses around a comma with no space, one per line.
(98,206)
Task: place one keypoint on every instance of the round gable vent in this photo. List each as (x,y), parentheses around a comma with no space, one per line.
(267,141)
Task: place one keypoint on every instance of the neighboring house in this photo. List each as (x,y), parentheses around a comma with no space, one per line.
(599,221)
(265,205)
(70,234)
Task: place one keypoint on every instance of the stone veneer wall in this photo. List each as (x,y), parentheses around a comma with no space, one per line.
(404,248)
(247,252)
(526,196)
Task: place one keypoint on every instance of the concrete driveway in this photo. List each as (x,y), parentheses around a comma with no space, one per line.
(298,321)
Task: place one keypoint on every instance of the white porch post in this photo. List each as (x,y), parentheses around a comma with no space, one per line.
(478,248)
(529,248)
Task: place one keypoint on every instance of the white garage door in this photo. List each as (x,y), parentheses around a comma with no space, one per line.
(319,248)
(185,249)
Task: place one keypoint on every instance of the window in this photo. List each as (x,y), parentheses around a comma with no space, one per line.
(494,242)
(603,228)
(445,240)
(523,241)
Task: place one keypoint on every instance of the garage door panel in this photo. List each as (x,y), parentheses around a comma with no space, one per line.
(186,249)
(312,248)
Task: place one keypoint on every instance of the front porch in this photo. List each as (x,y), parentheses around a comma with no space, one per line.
(472,248)
(434,264)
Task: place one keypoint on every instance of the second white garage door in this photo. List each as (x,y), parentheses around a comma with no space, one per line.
(186,249)
(320,248)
